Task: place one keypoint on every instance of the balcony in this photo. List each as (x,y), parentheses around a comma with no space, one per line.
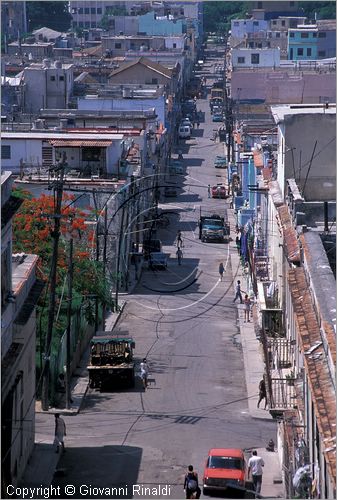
(282,396)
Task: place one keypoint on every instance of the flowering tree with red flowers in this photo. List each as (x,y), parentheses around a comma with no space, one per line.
(32,233)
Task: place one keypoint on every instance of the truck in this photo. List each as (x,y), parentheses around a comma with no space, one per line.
(111,364)
(213,227)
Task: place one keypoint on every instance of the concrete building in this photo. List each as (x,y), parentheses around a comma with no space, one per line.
(306,149)
(19,294)
(47,35)
(283,23)
(326,42)
(286,84)
(37,50)
(88,152)
(118,45)
(302,42)
(255,58)
(48,85)
(271,10)
(243,27)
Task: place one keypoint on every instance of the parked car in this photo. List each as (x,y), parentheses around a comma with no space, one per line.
(158,259)
(219,191)
(217,117)
(176,167)
(186,121)
(184,132)
(220,162)
(225,469)
(170,192)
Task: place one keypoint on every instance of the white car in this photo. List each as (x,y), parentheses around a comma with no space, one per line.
(184,132)
(186,121)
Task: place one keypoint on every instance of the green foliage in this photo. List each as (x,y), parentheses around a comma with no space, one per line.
(54,15)
(324,10)
(217,15)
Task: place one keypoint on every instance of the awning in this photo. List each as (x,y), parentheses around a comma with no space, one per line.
(75,143)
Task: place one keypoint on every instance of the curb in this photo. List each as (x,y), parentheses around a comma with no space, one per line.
(81,395)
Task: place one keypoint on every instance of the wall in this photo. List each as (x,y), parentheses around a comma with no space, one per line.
(301,132)
(148,24)
(283,87)
(30,150)
(139,74)
(125,105)
(239,27)
(267,58)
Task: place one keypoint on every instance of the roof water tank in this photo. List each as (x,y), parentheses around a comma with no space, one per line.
(58,64)
(63,123)
(46,63)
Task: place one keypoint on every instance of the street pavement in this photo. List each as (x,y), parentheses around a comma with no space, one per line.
(205,365)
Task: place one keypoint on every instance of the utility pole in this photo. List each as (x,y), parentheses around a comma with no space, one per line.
(55,233)
(119,256)
(104,257)
(70,299)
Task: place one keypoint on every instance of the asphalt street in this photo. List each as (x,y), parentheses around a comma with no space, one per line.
(184,322)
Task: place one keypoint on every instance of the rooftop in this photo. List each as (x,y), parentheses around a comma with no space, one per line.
(65,135)
(280,112)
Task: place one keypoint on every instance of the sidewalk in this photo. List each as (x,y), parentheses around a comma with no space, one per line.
(272,486)
(44,461)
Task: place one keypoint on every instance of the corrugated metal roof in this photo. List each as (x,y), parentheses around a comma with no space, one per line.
(79,144)
(317,369)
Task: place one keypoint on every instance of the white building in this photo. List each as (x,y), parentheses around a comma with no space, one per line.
(19,294)
(307,148)
(255,58)
(47,85)
(241,27)
(93,153)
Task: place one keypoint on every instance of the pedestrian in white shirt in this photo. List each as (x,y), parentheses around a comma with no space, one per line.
(255,464)
(60,432)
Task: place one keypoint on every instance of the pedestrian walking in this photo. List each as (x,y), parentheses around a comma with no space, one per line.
(255,464)
(144,373)
(60,432)
(209,190)
(198,124)
(191,484)
(238,243)
(247,304)
(221,270)
(262,393)
(179,254)
(179,240)
(238,292)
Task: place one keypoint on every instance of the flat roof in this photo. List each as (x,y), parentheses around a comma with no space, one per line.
(279,112)
(62,135)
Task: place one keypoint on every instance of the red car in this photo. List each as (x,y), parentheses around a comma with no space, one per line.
(219,191)
(225,469)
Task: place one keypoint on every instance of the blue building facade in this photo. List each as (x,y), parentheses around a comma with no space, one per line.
(302,43)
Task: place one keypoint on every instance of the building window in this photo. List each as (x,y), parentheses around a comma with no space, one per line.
(52,78)
(93,10)
(308,51)
(300,52)
(236,23)
(174,45)
(5,152)
(255,58)
(87,24)
(86,10)
(61,78)
(154,81)
(278,34)
(291,4)
(118,45)
(314,34)
(93,24)
(80,24)
(321,53)
(80,10)
(304,35)
(241,60)
(322,34)
(99,10)
(291,34)
(255,23)
(283,23)
(259,5)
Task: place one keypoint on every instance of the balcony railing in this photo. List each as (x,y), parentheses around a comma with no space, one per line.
(283,395)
